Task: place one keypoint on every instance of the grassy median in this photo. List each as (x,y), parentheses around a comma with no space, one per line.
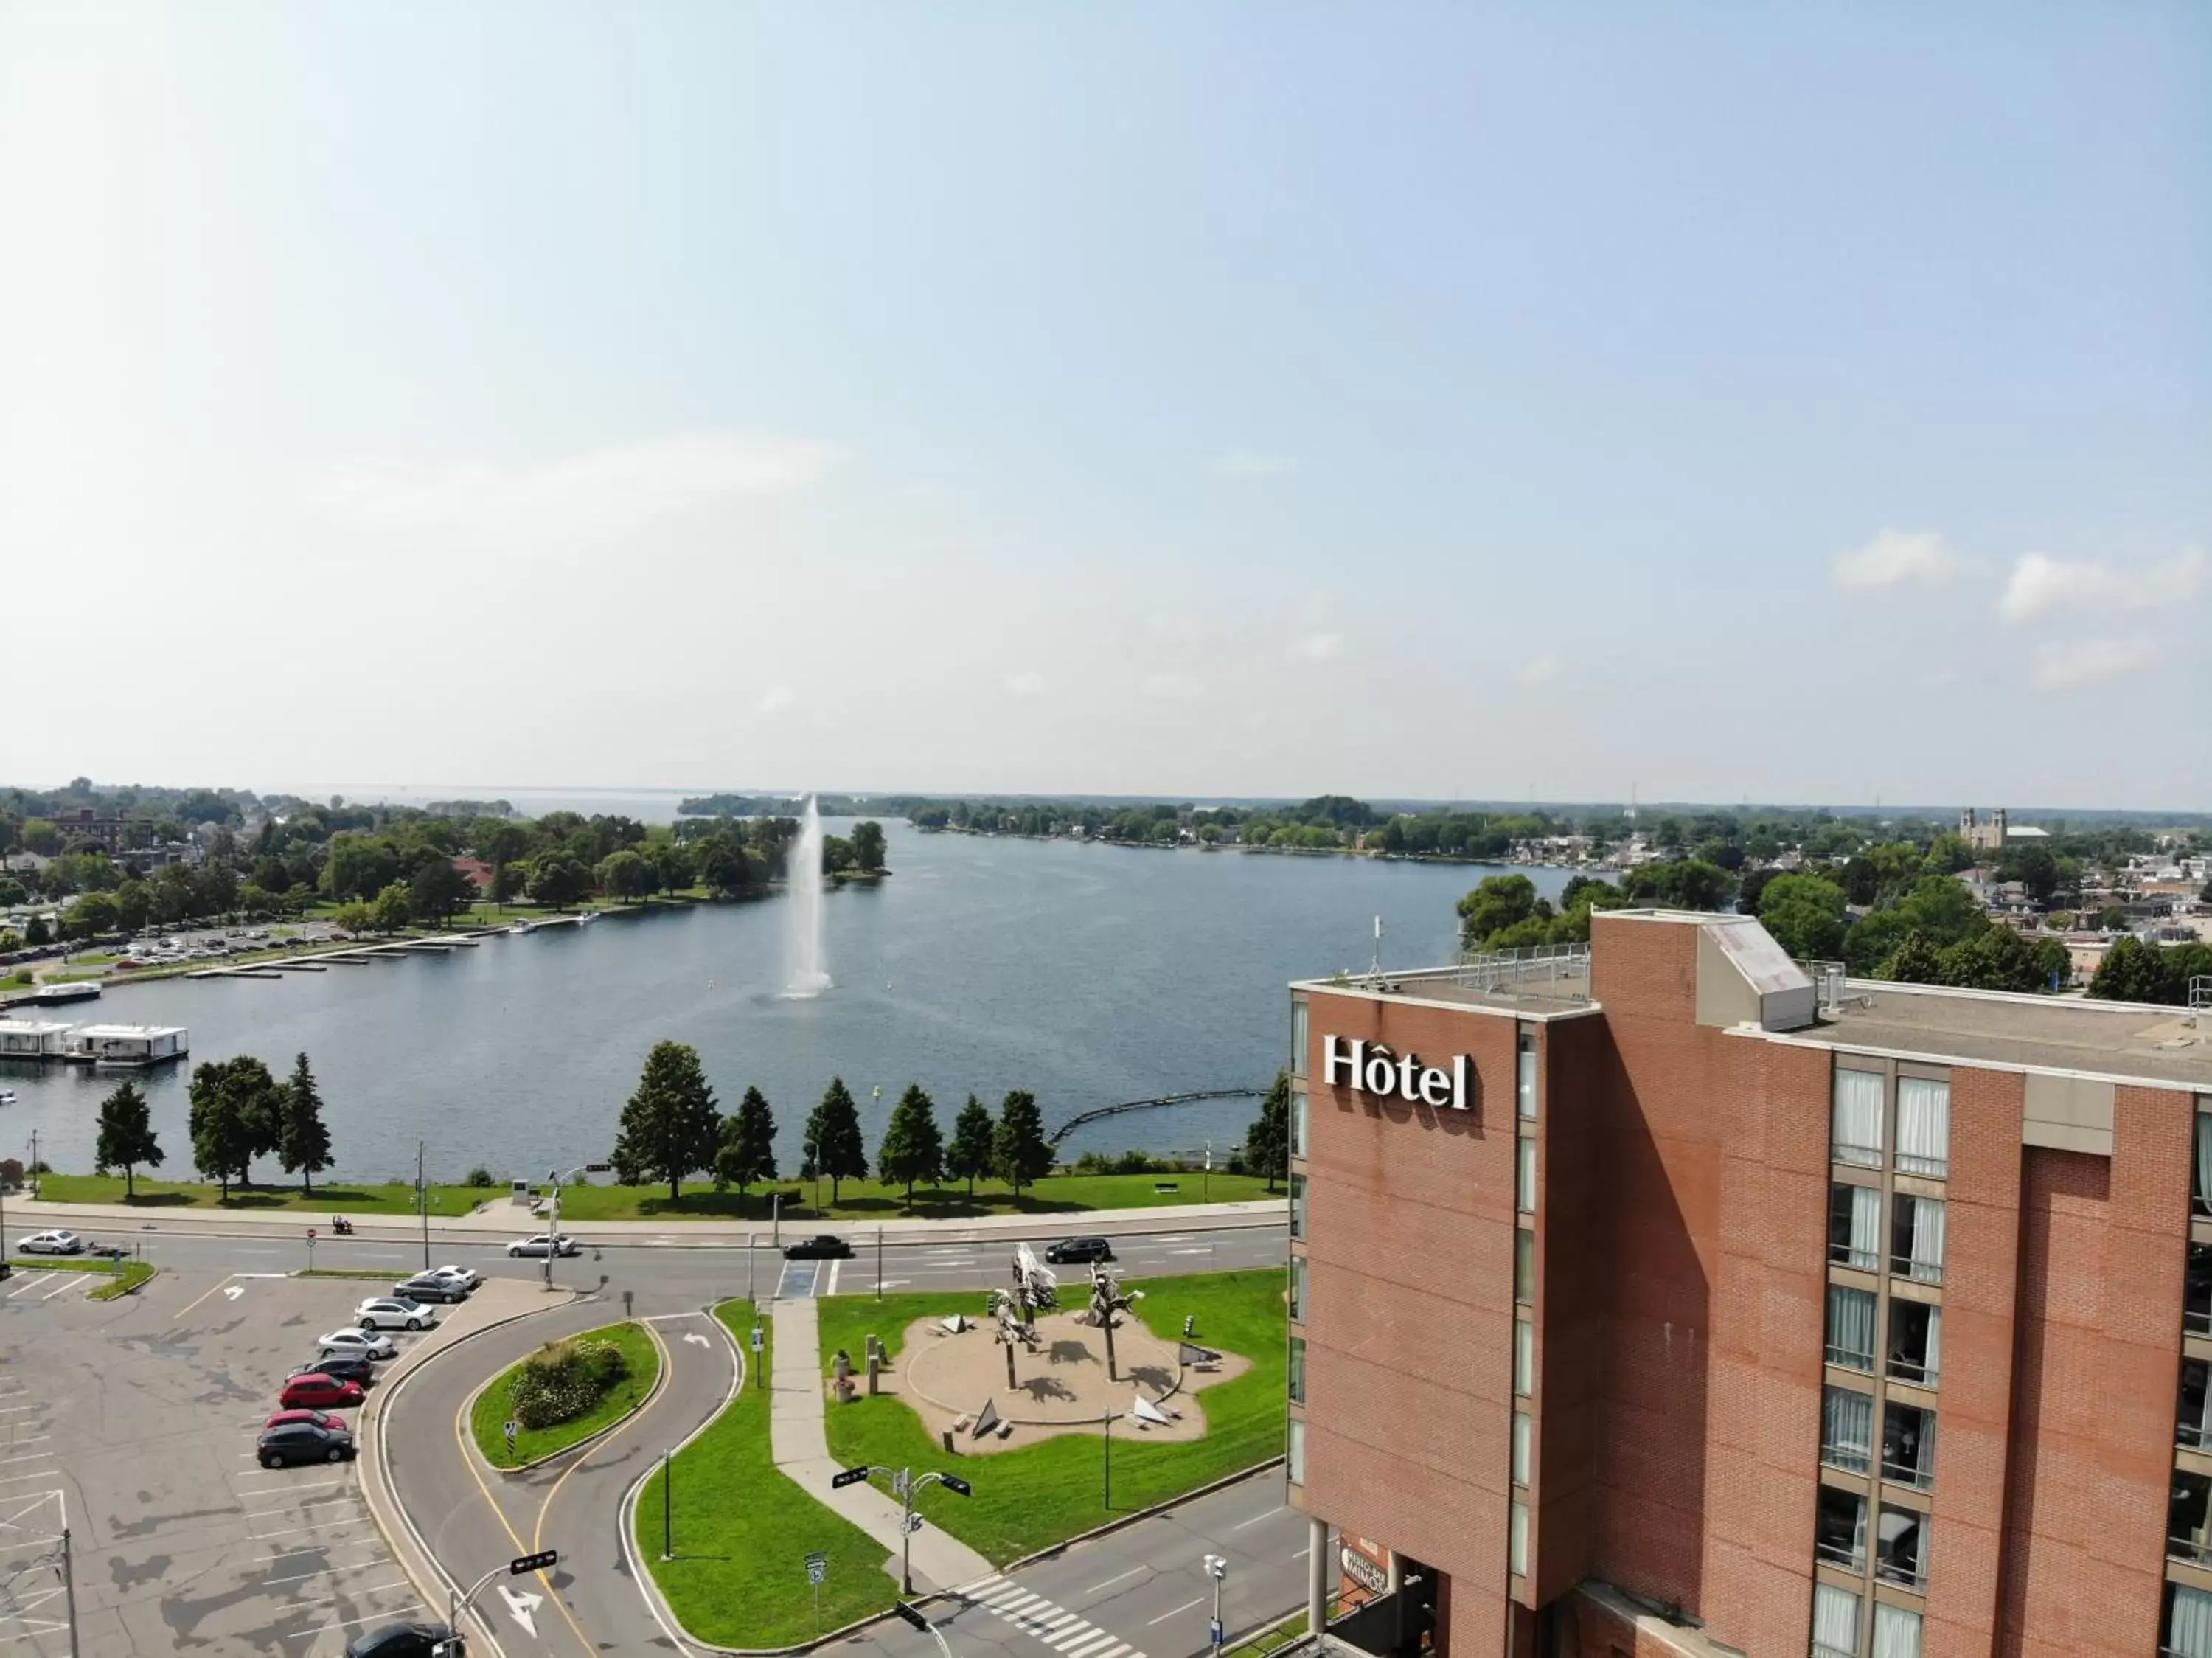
(742,1531)
(122,1276)
(1040,1494)
(488,1418)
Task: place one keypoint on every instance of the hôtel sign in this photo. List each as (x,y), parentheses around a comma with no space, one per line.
(1370,1068)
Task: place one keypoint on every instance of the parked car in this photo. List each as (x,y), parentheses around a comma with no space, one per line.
(429,1287)
(544,1243)
(303,1441)
(393,1312)
(51,1243)
(317,1391)
(407,1641)
(320,1418)
(1080,1249)
(466,1277)
(367,1343)
(823,1247)
(339,1367)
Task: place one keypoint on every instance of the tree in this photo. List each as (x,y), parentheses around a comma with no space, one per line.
(559,879)
(90,916)
(747,1151)
(670,1125)
(355,918)
(1496,903)
(303,1141)
(391,911)
(971,1152)
(235,1114)
(1805,914)
(913,1149)
(126,1136)
(436,890)
(1686,884)
(624,875)
(723,865)
(37,932)
(506,883)
(1267,1142)
(868,844)
(834,1146)
(1020,1151)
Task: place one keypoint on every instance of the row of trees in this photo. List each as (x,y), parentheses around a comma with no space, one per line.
(239,1112)
(672,1127)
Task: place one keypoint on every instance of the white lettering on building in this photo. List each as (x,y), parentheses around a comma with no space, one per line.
(1371,1068)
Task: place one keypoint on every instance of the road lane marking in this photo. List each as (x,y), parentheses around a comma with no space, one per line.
(1119,1650)
(196,1301)
(833,1268)
(1133,1571)
(1095,1640)
(670,1318)
(270,1490)
(1178,1612)
(1257,1519)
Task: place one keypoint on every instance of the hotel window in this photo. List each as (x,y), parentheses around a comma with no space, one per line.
(1298,1120)
(1298,1035)
(2188,1622)
(1839,1525)
(1522,1436)
(2197,1291)
(1855,1227)
(1916,1342)
(1915,1238)
(1855,1118)
(1297,1369)
(2192,1426)
(1524,1077)
(1524,1266)
(1850,1327)
(1923,1126)
(1896,1632)
(1517,1541)
(1524,1176)
(1835,1622)
(1296,1458)
(2200,1177)
(1908,1445)
(2189,1520)
(1297,1205)
(1298,1289)
(1524,1358)
(1846,1429)
(1901,1552)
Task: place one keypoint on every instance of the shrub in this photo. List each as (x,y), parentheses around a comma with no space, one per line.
(480,1177)
(563,1379)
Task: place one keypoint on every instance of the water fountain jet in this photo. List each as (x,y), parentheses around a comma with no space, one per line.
(805,976)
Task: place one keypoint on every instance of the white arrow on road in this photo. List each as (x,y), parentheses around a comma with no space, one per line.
(693,1335)
(521,1606)
(232,1291)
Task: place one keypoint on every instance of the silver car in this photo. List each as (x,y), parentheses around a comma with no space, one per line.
(392,1312)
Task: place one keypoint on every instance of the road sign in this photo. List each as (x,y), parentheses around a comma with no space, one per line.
(817,1568)
(311,1234)
(759,1341)
(914,1522)
(510,1426)
(597,1168)
(848,1477)
(899,1483)
(538,1561)
(954,1483)
(912,1614)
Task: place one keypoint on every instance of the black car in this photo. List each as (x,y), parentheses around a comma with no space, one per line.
(304,1441)
(429,1287)
(822,1248)
(1080,1249)
(406,1641)
(339,1367)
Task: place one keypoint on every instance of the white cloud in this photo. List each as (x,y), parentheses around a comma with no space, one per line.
(1253,463)
(1029,683)
(1320,646)
(599,493)
(1897,558)
(2041,583)
(2090,662)
(1542,671)
(1173,687)
(776,698)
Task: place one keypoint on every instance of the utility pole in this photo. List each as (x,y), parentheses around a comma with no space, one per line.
(422,1203)
(1107,1496)
(1216,1568)
(68,1588)
(879,1271)
(34,1162)
(667,1506)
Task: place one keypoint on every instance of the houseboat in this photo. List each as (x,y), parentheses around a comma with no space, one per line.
(32,1039)
(126,1044)
(83,989)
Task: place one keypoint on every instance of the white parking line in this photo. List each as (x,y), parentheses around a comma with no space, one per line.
(1178,1612)
(343,1622)
(35,1456)
(17,1409)
(31,1283)
(834,1266)
(315,1485)
(309,1606)
(312,1525)
(17,1480)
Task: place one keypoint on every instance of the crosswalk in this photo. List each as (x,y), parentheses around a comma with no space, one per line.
(1055,1625)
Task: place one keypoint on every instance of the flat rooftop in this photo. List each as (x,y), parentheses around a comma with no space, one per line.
(1530,988)
(2061,1033)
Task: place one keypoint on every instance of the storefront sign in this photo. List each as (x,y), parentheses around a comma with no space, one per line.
(1371,1068)
(1364,1572)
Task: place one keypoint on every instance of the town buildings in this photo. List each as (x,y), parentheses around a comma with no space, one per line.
(1649,1297)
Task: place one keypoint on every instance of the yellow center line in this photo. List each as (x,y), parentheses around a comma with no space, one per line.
(469,1461)
(667,1369)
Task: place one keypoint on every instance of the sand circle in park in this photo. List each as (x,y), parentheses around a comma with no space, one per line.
(1061,1387)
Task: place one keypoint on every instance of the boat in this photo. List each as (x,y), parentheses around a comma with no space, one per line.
(521,927)
(6,1096)
(78,990)
(587,917)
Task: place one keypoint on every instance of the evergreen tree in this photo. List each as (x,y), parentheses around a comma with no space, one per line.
(236,1107)
(747,1152)
(833,1139)
(303,1142)
(671,1126)
(913,1149)
(972,1152)
(1267,1142)
(126,1136)
(1020,1152)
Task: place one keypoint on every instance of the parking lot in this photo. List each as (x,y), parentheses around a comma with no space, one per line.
(133,1423)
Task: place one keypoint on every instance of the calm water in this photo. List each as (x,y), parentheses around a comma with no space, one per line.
(1089,974)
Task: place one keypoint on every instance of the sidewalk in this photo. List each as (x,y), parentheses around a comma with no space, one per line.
(798,1440)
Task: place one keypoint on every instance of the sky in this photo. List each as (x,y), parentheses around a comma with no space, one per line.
(1717,402)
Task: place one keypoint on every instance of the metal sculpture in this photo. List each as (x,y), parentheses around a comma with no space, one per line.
(1107,1299)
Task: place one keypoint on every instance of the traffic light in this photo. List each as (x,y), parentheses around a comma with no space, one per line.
(912,1614)
(954,1483)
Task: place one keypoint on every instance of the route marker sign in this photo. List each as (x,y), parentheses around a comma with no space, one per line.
(510,1426)
(758,1341)
(530,1563)
(817,1568)
(846,1477)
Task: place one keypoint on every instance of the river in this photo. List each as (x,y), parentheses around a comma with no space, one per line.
(1086,973)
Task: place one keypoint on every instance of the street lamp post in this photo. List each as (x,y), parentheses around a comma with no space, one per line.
(1216,1568)
(553,1233)
(906,1484)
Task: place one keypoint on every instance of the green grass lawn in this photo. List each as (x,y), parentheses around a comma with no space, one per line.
(864,1200)
(1030,1498)
(743,1532)
(488,1418)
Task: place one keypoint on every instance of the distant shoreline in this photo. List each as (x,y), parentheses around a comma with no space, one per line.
(1278,852)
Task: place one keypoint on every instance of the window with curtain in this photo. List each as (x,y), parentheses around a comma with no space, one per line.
(1908,1445)
(1296,1457)
(1916,1342)
(1850,1327)
(1298,1033)
(1916,1239)
(1896,1632)
(1524,1266)
(1835,1622)
(1524,1175)
(1923,1126)
(1297,1205)
(2188,1622)
(1847,1429)
(1298,1288)
(2197,1291)
(1855,1121)
(1524,1076)
(1524,1358)
(2193,1415)
(2200,1185)
(1299,1121)
(1855,1227)
(1521,1448)
(1517,1548)
(1297,1369)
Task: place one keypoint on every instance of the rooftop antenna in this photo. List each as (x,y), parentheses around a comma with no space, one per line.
(1374,969)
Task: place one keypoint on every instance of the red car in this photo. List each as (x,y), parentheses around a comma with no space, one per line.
(317,1418)
(316,1392)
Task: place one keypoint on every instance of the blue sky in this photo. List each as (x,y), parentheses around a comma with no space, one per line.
(1244,399)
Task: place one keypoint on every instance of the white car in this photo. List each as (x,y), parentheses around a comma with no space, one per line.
(544,1243)
(51,1243)
(461,1277)
(392,1312)
(365,1344)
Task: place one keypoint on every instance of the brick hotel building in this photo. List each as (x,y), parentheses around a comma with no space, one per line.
(1658,1300)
